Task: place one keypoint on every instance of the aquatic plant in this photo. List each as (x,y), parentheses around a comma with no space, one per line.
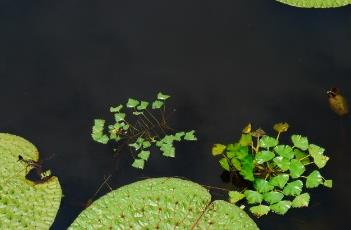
(140,127)
(277,172)
(337,102)
(162,203)
(316,3)
(25,204)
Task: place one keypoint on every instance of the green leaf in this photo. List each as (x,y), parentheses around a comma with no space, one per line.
(293,188)
(168,150)
(146,144)
(268,142)
(260,210)
(136,113)
(245,140)
(264,156)
(314,179)
(284,151)
(116,109)
(282,163)
(300,142)
(157,104)
(328,183)
(135,145)
(190,136)
(140,140)
(315,150)
(320,160)
(144,155)
(281,207)
(253,197)
(218,149)
(242,152)
(247,167)
(138,163)
(273,197)
(125,127)
(301,156)
(281,127)
(262,186)
(143,105)
(178,136)
(296,168)
(98,131)
(224,163)
(132,103)
(235,196)
(316,3)
(236,163)
(279,180)
(301,200)
(317,154)
(119,116)
(161,96)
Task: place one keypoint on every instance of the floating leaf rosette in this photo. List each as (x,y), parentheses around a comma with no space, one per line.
(316,3)
(24,204)
(162,203)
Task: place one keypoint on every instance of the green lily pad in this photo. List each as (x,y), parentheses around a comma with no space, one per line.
(162,203)
(253,197)
(23,203)
(300,142)
(157,104)
(285,151)
(281,207)
(132,103)
(282,163)
(316,3)
(260,210)
(235,196)
(296,168)
(143,105)
(120,116)
(138,163)
(314,179)
(264,156)
(262,186)
(268,142)
(279,180)
(161,96)
(328,183)
(273,197)
(301,156)
(301,200)
(293,188)
(144,155)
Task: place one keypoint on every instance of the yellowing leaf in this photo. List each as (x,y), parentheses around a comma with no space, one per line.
(247,129)
(218,149)
(281,127)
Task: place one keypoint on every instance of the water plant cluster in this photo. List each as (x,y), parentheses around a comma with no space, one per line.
(141,125)
(277,172)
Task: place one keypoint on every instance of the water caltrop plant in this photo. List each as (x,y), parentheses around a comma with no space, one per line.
(140,125)
(277,172)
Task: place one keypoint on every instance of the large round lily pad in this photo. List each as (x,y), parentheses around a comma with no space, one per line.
(24,204)
(316,3)
(162,203)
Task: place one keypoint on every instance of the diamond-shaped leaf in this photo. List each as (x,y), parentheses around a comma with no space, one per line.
(132,103)
(262,186)
(161,96)
(119,116)
(190,136)
(138,163)
(224,163)
(301,200)
(296,168)
(168,150)
(178,136)
(116,109)
(293,188)
(235,196)
(253,197)
(282,163)
(314,179)
(157,104)
(315,150)
(144,155)
(300,142)
(143,105)
(285,151)
(260,210)
(236,163)
(279,180)
(281,207)
(264,156)
(273,197)
(328,183)
(268,142)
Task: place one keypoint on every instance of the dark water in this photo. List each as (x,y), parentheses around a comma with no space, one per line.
(225,62)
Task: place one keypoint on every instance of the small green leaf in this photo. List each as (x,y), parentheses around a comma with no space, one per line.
(140,140)
(138,163)
(320,160)
(264,156)
(190,136)
(301,156)
(119,116)
(262,186)
(293,188)
(168,150)
(247,168)
(260,210)
(300,142)
(296,168)
(178,136)
(282,163)
(279,180)
(242,152)
(235,196)
(161,96)
(144,155)
(218,149)
(125,127)
(281,127)
(135,145)
(132,103)
(224,163)
(268,142)
(98,131)
(116,109)
(236,163)
(284,151)
(146,144)
(157,104)
(328,183)
(253,197)
(273,197)
(245,140)
(281,207)
(143,105)
(301,200)
(231,150)
(314,179)
(315,150)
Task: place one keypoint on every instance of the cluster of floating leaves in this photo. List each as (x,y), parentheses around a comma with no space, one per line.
(277,171)
(140,127)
